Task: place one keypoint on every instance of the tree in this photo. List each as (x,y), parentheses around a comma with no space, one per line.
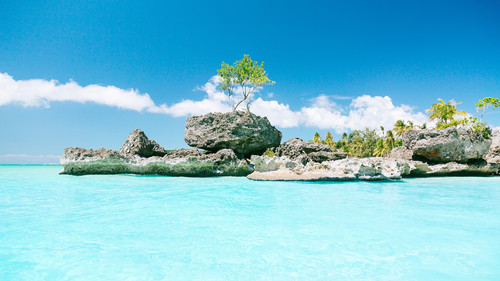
(243,77)
(317,138)
(486,103)
(400,128)
(389,140)
(329,140)
(444,111)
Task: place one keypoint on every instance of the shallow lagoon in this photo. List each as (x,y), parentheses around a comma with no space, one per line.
(55,227)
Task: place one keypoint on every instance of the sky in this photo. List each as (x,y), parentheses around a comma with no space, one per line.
(87,73)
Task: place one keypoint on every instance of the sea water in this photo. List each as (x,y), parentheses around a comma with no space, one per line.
(125,227)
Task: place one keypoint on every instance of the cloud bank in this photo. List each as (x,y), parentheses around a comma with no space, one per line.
(321,112)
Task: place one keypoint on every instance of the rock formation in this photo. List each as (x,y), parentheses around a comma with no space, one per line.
(244,133)
(304,152)
(138,143)
(450,152)
(448,145)
(133,159)
(374,168)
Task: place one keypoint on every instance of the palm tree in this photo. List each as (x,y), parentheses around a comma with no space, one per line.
(389,140)
(317,138)
(380,148)
(444,111)
(329,140)
(423,126)
(400,128)
(382,129)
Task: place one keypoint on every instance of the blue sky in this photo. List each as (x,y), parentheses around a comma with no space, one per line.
(337,66)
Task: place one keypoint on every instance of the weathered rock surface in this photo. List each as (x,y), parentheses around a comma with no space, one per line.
(447,145)
(283,168)
(401,152)
(242,132)
(493,155)
(182,162)
(138,143)
(304,152)
(375,168)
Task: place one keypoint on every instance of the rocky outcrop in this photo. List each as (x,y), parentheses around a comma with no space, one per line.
(182,162)
(139,155)
(375,168)
(304,152)
(138,143)
(448,145)
(401,152)
(493,155)
(283,168)
(244,133)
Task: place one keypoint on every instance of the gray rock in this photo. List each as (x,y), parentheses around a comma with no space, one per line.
(493,155)
(447,145)
(183,153)
(182,162)
(304,152)
(138,143)
(242,132)
(401,152)
(374,168)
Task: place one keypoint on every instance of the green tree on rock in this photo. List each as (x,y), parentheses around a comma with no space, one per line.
(241,80)
(444,111)
(485,103)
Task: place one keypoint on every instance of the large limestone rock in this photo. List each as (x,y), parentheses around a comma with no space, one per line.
(303,152)
(138,143)
(401,152)
(493,155)
(182,162)
(242,132)
(374,168)
(447,145)
(283,168)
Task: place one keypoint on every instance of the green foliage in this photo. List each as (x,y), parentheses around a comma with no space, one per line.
(363,143)
(269,153)
(444,111)
(246,76)
(329,140)
(473,126)
(317,138)
(400,127)
(485,103)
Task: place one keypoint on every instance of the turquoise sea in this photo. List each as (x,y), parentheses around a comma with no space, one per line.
(55,227)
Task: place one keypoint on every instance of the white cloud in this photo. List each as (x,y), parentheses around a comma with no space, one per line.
(38,92)
(322,112)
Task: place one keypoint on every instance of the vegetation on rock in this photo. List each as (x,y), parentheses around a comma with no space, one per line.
(371,142)
(241,79)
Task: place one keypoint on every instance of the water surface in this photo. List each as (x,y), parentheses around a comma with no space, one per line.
(126,227)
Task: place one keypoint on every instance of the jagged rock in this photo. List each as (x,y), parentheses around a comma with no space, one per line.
(304,152)
(138,143)
(374,168)
(448,145)
(242,132)
(401,152)
(493,155)
(72,154)
(182,162)
(183,153)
